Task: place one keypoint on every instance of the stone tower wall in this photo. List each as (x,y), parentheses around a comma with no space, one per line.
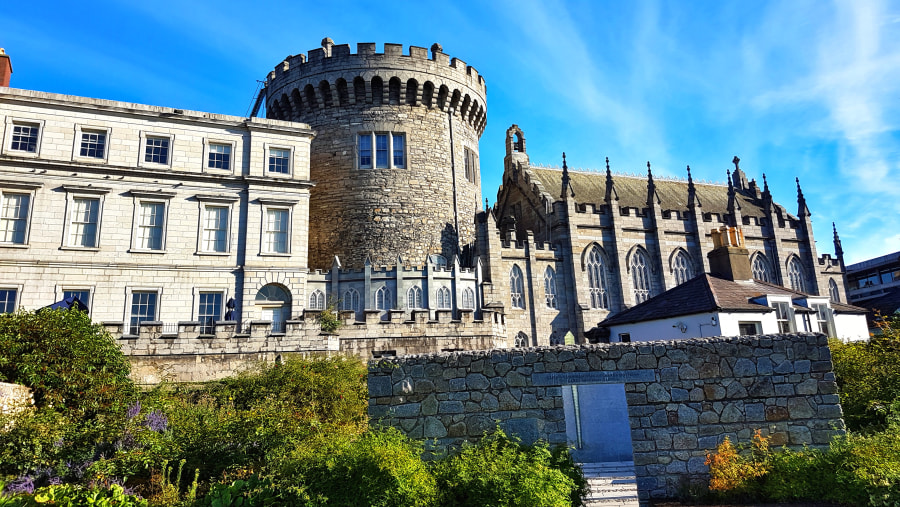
(413,211)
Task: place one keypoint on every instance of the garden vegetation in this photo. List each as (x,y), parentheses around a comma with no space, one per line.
(294,433)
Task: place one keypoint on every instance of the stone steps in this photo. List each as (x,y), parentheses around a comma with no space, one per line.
(612,484)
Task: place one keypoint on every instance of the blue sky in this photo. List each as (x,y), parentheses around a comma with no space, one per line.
(807,89)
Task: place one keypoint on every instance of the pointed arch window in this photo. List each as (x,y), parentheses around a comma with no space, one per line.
(443,298)
(597,279)
(833,292)
(317,300)
(384,300)
(350,301)
(554,339)
(521,340)
(414,298)
(550,288)
(682,267)
(761,269)
(796,276)
(516,287)
(468,298)
(640,276)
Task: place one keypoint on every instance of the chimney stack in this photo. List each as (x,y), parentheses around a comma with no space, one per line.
(5,68)
(729,258)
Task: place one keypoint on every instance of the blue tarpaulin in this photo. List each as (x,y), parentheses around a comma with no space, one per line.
(67,304)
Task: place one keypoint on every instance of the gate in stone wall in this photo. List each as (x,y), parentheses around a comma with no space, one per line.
(683,397)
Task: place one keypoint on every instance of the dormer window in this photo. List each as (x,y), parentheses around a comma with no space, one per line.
(785,317)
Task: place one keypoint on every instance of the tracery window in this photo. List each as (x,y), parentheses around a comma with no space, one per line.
(597,279)
(350,301)
(384,300)
(317,300)
(833,292)
(761,269)
(640,276)
(550,288)
(795,275)
(443,298)
(516,287)
(521,340)
(554,339)
(414,297)
(468,298)
(681,267)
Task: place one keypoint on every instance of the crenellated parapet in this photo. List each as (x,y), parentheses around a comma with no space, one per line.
(332,76)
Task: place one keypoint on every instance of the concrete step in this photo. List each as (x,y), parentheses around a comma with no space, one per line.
(612,484)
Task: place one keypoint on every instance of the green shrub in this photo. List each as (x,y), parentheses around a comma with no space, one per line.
(66,360)
(378,468)
(499,471)
(252,492)
(70,495)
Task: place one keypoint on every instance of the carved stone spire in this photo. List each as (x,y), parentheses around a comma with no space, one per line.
(738,177)
(693,198)
(611,193)
(734,207)
(766,195)
(652,196)
(802,209)
(567,188)
(838,250)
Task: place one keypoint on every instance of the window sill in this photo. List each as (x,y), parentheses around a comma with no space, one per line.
(136,251)
(89,160)
(153,165)
(214,254)
(23,154)
(274,254)
(285,176)
(13,245)
(80,248)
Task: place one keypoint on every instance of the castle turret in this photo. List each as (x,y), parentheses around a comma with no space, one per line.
(395,159)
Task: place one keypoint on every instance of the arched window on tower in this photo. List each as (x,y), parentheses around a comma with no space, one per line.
(833,292)
(550,288)
(761,269)
(468,298)
(350,301)
(443,298)
(640,276)
(521,340)
(795,275)
(597,279)
(682,267)
(414,298)
(516,287)
(384,300)
(317,300)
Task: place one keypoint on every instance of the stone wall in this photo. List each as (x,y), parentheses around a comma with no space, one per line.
(684,397)
(14,397)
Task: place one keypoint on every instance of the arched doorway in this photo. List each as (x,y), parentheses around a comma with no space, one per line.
(275,302)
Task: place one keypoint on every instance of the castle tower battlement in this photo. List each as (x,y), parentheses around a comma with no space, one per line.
(395,158)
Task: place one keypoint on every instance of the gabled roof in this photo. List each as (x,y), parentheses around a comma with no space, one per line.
(707,293)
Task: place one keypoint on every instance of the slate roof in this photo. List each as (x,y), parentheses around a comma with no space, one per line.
(707,293)
(590,188)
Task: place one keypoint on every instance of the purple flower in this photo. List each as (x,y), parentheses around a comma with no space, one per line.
(23,484)
(55,481)
(133,411)
(157,421)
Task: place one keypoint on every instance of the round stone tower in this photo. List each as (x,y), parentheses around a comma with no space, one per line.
(395,158)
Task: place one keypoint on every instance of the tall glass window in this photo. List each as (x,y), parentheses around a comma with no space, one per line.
(796,276)
(550,288)
(350,301)
(215,229)
(85,216)
(143,309)
(444,301)
(150,228)
(516,287)
(597,279)
(640,276)
(833,291)
(468,298)
(14,218)
(681,267)
(381,151)
(414,297)
(277,231)
(761,269)
(384,300)
(399,141)
(210,311)
(317,300)
(365,151)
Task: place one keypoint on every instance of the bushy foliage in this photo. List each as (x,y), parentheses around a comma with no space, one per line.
(867,376)
(66,360)
(71,495)
(499,471)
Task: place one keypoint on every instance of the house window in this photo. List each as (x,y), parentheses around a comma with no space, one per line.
(151,225)
(625,337)
(25,138)
(681,267)
(468,298)
(516,287)
(215,229)
(824,318)
(761,269)
(550,287)
(597,279)
(785,317)
(209,312)
(219,156)
(83,295)
(156,150)
(279,161)
(640,276)
(521,340)
(85,219)
(8,300)
(276,233)
(796,276)
(749,328)
(443,298)
(384,300)
(317,300)
(833,291)
(414,297)
(143,309)
(382,150)
(350,301)
(14,218)
(93,144)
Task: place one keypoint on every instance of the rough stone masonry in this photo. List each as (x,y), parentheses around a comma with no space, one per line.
(684,397)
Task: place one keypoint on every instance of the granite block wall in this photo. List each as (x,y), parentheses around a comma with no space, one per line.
(684,397)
